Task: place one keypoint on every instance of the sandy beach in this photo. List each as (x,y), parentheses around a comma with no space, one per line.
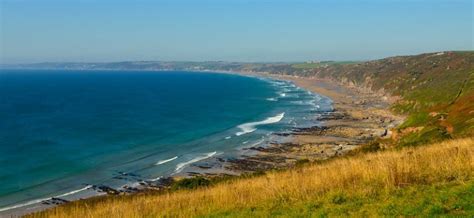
(358,117)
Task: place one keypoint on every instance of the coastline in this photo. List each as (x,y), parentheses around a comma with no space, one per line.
(357,118)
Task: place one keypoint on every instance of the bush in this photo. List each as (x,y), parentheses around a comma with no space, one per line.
(301,162)
(371,147)
(191,183)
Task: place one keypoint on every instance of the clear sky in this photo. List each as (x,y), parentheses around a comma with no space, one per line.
(232,30)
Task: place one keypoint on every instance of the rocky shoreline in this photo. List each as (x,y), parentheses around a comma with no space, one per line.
(359,117)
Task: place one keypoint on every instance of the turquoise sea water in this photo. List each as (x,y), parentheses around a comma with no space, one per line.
(63,130)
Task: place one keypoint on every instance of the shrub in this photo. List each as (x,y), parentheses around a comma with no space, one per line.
(191,183)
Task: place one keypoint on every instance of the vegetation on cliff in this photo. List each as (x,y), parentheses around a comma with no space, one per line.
(435,91)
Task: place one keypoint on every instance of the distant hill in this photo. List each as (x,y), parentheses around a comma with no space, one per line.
(435,90)
(161,65)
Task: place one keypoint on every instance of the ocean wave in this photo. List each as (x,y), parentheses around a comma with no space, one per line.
(44,199)
(181,166)
(272,99)
(277,83)
(298,102)
(228,137)
(155,179)
(166,161)
(282,94)
(250,127)
(24,204)
(74,192)
(302,102)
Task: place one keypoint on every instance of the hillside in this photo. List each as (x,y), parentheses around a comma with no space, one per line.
(435,90)
(428,180)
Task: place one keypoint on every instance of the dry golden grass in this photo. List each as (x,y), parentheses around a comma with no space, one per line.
(450,161)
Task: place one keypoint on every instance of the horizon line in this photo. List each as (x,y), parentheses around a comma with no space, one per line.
(230,61)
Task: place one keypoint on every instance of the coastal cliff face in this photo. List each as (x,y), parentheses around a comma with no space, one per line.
(435,91)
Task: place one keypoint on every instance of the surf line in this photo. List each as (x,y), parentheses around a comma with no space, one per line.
(181,166)
(166,161)
(250,127)
(44,199)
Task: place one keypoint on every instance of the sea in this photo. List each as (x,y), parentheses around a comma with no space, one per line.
(63,131)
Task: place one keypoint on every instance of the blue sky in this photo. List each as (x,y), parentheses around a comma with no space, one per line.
(232,30)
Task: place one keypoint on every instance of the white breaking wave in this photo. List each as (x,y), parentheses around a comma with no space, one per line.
(181,166)
(228,137)
(166,161)
(250,127)
(24,204)
(44,199)
(282,94)
(272,99)
(277,83)
(155,179)
(74,192)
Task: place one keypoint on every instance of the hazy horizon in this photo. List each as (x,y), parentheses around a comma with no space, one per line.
(234,30)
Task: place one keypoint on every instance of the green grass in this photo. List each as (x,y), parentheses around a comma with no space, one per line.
(429,134)
(455,199)
(417,119)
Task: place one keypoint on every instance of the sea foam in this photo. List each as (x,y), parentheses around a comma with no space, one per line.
(166,161)
(272,99)
(181,166)
(155,179)
(250,127)
(44,199)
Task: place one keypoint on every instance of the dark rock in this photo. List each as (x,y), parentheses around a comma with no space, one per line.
(54,201)
(106,189)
